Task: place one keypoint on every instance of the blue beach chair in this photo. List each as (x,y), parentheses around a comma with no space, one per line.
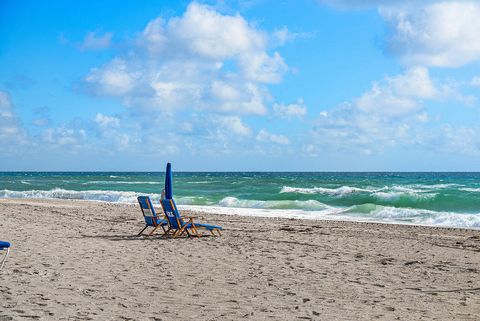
(188,226)
(4,246)
(150,216)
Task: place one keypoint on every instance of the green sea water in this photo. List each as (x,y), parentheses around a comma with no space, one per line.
(439,199)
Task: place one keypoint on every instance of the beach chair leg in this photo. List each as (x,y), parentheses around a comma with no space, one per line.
(177,233)
(150,234)
(181,231)
(167,232)
(4,259)
(219,233)
(193,229)
(142,230)
(185,231)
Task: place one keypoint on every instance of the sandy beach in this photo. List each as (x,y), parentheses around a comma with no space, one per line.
(77,260)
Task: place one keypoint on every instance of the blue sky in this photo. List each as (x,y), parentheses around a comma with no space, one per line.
(327,85)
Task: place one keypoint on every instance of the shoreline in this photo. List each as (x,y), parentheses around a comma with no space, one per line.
(326,217)
(83,260)
(261,213)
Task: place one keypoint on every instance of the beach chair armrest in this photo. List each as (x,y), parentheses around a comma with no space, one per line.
(194,217)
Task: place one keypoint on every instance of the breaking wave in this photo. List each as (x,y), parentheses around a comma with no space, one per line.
(340,191)
(385,193)
(472,190)
(120,182)
(395,196)
(58,193)
(309,205)
(413,204)
(379,213)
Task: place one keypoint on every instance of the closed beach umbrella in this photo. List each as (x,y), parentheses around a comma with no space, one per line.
(168,182)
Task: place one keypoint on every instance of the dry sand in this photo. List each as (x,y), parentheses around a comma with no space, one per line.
(82,261)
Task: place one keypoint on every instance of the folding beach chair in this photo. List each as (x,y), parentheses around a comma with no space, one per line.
(180,226)
(150,216)
(4,246)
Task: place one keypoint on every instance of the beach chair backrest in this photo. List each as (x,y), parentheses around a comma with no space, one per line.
(4,246)
(148,210)
(171,212)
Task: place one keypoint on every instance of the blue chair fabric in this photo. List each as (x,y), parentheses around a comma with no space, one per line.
(4,246)
(179,226)
(150,216)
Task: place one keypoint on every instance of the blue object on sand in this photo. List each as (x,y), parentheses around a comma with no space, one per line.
(150,216)
(4,246)
(179,226)
(168,182)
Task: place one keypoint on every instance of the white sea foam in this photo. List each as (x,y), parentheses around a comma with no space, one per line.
(325,214)
(340,191)
(381,214)
(120,182)
(436,186)
(395,195)
(58,193)
(470,189)
(201,182)
(414,216)
(404,189)
(385,193)
(308,205)
(308,209)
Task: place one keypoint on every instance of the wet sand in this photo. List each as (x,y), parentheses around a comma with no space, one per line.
(76,260)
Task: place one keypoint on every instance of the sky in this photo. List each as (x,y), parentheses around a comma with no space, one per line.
(325,85)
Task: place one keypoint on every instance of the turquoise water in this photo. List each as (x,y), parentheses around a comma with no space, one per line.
(440,199)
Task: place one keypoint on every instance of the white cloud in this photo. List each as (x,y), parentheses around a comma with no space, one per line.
(383,100)
(5,105)
(62,136)
(423,117)
(460,139)
(232,124)
(283,35)
(267,137)
(391,113)
(107,121)
(122,136)
(310,150)
(399,95)
(95,41)
(295,110)
(443,34)
(202,60)
(113,79)
(10,129)
(475,82)
(427,32)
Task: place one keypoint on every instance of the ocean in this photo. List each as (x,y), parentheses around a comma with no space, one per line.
(435,199)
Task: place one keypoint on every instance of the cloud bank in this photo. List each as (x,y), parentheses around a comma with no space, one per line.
(202,60)
(438,34)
